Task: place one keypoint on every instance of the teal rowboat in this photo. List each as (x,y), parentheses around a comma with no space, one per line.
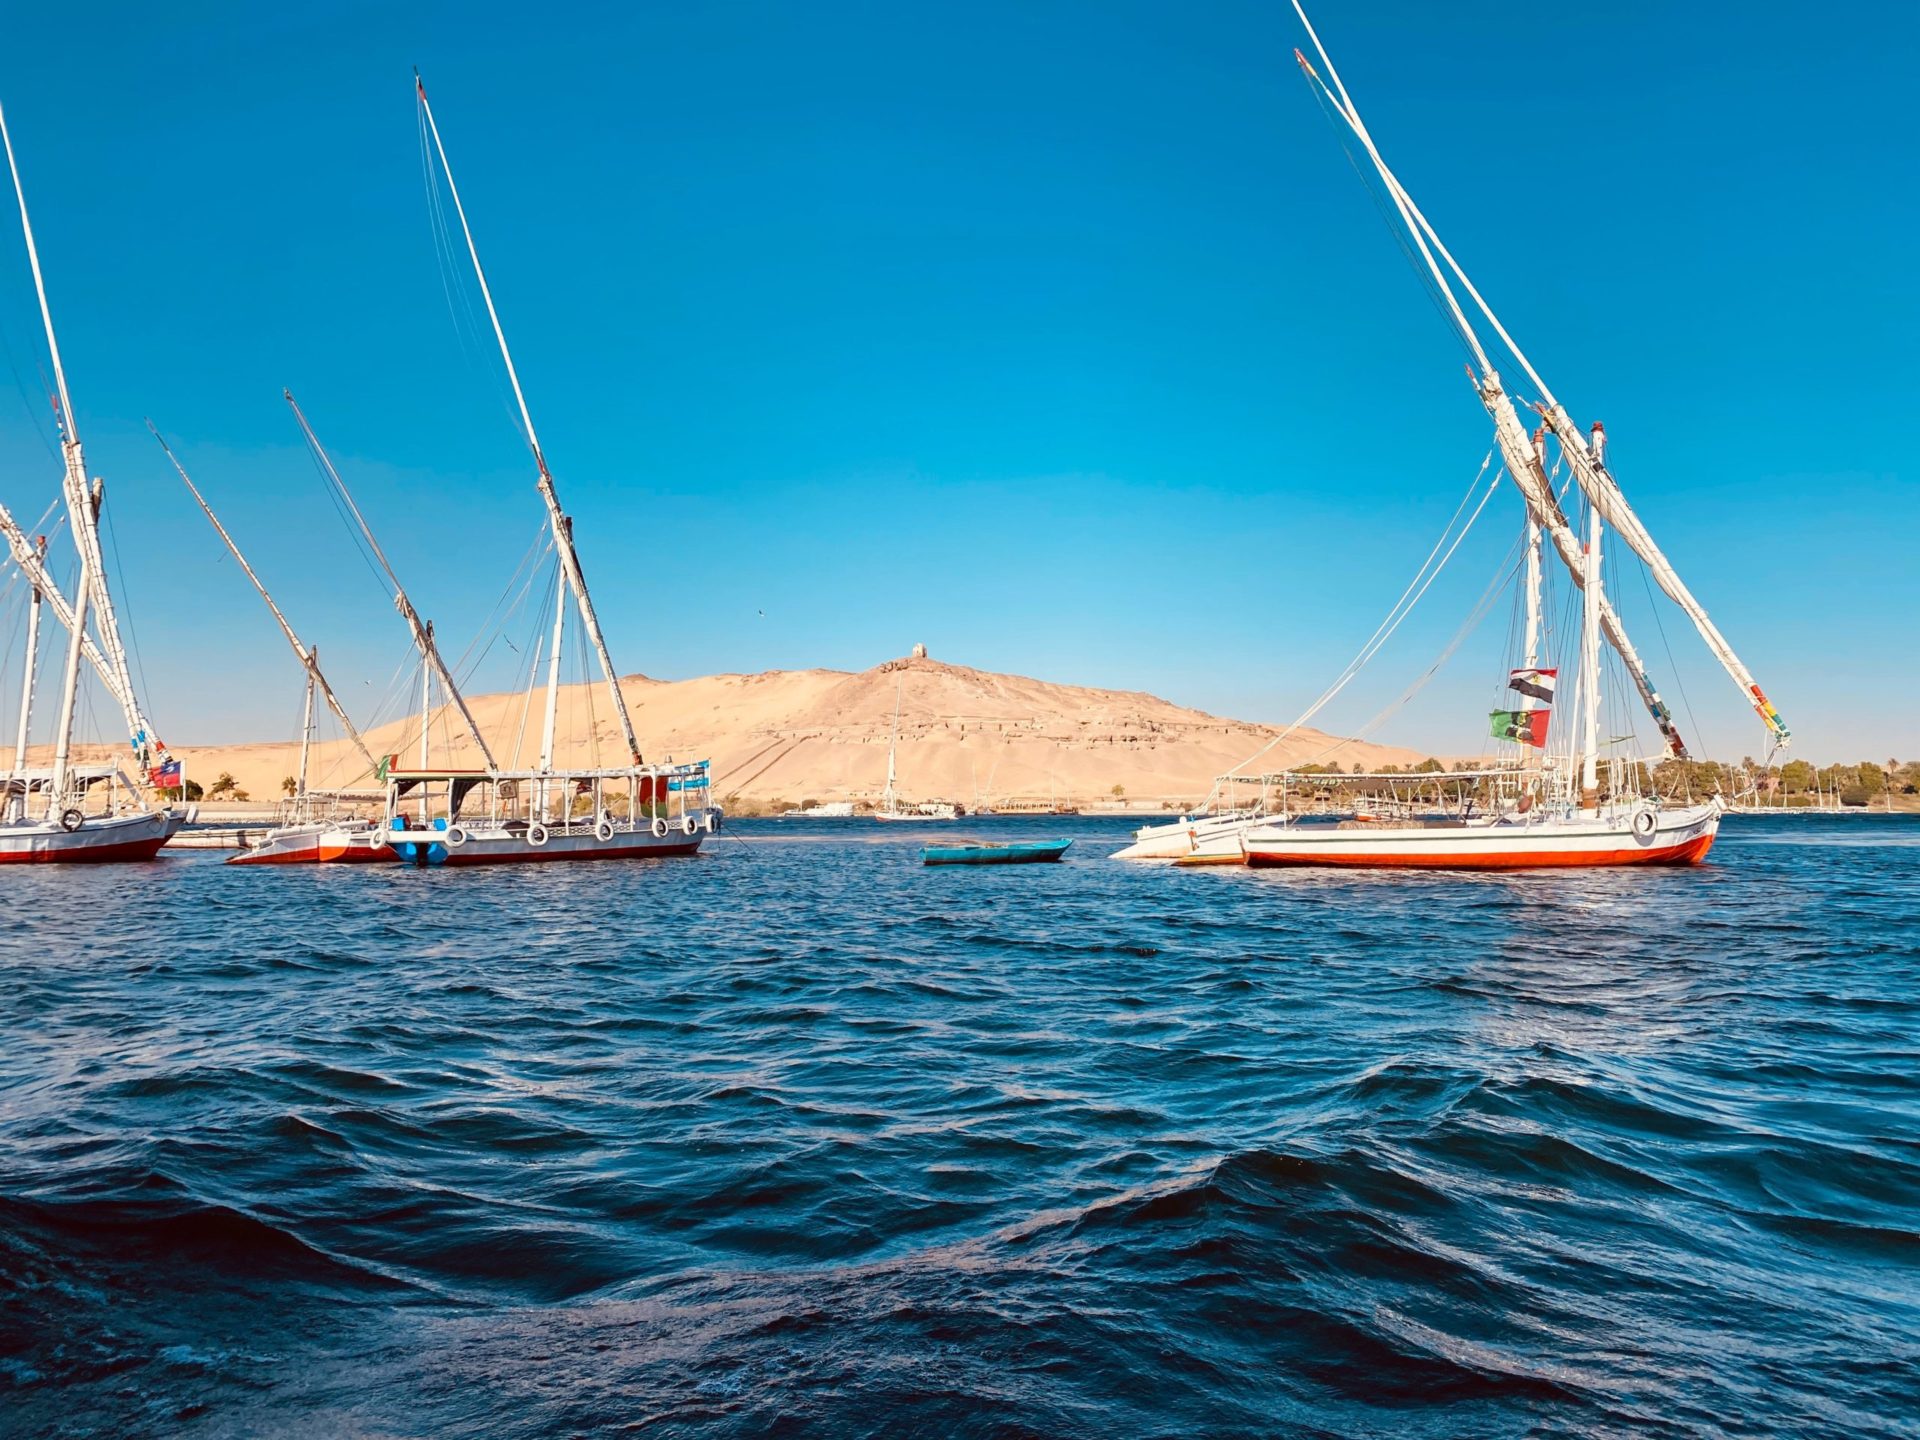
(1019,852)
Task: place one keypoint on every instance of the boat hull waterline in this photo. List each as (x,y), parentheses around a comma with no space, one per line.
(431,848)
(1175,840)
(1675,838)
(317,845)
(96,841)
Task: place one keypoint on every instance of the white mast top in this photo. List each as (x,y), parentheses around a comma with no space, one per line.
(562,531)
(39,285)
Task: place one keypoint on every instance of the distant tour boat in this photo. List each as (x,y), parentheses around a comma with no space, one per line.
(1018,852)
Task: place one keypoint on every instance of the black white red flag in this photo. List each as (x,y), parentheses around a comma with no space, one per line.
(1537,683)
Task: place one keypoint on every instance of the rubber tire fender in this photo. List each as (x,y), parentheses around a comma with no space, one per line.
(659,828)
(603,832)
(1645,823)
(536,834)
(689,826)
(456,836)
(71,820)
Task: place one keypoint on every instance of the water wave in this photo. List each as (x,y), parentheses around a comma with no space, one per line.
(808,1140)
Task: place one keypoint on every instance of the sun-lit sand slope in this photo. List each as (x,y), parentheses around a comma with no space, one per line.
(793,735)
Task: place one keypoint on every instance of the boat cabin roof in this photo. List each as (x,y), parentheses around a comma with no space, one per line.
(40,777)
(410,777)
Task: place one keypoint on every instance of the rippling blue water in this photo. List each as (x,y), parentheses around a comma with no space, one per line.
(801,1138)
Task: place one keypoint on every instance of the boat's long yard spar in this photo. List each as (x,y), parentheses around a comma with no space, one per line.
(422,632)
(308,661)
(1586,459)
(109,656)
(562,526)
(33,565)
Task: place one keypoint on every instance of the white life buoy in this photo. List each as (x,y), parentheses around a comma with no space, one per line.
(689,825)
(536,834)
(659,828)
(71,820)
(456,835)
(1644,824)
(603,831)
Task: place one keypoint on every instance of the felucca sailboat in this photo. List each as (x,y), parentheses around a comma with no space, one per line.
(69,811)
(1541,815)
(890,806)
(440,816)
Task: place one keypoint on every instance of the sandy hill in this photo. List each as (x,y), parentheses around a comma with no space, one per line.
(785,736)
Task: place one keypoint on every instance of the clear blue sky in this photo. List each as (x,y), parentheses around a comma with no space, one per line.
(1060,337)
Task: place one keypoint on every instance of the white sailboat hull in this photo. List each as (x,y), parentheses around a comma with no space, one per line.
(1178,839)
(96,841)
(933,811)
(1612,838)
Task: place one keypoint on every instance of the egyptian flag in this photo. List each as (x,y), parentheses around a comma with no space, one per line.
(1523,727)
(1536,683)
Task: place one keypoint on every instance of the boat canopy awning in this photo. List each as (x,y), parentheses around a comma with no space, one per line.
(26,781)
(1329,777)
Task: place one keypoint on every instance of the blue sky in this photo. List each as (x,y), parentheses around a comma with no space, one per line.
(1062,338)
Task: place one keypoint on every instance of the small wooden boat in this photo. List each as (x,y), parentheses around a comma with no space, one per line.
(1018,852)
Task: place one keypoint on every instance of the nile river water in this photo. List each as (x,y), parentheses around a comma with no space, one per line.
(800,1138)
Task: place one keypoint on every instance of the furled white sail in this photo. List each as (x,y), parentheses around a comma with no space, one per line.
(1585,458)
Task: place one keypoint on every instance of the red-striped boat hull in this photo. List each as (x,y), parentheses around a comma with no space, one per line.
(1690,852)
(97,842)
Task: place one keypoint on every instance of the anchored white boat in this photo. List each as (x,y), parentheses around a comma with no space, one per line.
(448,816)
(66,811)
(1217,833)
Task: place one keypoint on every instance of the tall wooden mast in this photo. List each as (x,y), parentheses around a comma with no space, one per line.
(562,528)
(83,505)
(1585,454)
(1523,464)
